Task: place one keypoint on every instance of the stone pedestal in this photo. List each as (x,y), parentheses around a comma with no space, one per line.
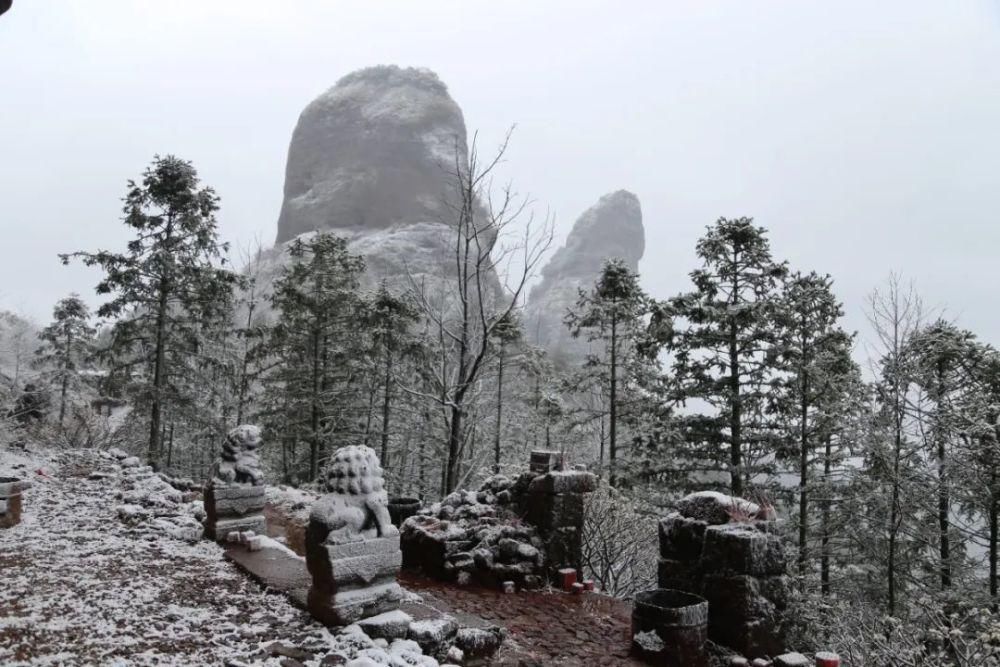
(739,568)
(10,501)
(231,508)
(352,581)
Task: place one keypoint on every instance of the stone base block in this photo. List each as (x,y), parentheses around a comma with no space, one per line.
(234,500)
(742,616)
(681,538)
(346,607)
(742,549)
(219,529)
(679,575)
(341,567)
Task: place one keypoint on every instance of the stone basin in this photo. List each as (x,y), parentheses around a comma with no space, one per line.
(670,628)
(402,508)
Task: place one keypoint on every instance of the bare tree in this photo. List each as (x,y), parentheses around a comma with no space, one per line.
(496,248)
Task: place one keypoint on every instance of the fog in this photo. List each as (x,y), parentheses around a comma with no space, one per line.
(864,136)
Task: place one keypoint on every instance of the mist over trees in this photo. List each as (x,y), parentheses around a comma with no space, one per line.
(884,457)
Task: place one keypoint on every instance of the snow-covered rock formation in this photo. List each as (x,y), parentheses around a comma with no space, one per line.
(371,160)
(611,228)
(372,153)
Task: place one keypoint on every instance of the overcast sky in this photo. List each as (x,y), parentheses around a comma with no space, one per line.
(864,135)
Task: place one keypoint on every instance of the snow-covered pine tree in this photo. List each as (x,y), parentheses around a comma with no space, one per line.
(67,345)
(614,317)
(722,342)
(314,352)
(166,287)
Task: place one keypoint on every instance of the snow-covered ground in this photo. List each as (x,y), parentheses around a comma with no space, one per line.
(106,569)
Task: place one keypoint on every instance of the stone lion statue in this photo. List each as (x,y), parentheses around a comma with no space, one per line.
(240,462)
(356,507)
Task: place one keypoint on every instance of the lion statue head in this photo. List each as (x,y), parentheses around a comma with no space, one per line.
(356,507)
(355,470)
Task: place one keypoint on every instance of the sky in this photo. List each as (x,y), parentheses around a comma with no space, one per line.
(865,136)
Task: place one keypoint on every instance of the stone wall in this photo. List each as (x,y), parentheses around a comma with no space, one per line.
(739,567)
(521,530)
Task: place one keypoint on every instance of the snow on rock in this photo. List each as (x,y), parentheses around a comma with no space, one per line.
(90,579)
(475,534)
(371,153)
(716,508)
(369,160)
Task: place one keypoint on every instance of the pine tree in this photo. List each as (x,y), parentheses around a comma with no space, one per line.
(166,287)
(614,315)
(814,355)
(944,362)
(388,321)
(315,348)
(67,344)
(722,341)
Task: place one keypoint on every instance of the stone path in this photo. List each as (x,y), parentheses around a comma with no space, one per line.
(544,628)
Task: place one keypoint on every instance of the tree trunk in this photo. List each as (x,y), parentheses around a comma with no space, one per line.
(993,540)
(496,434)
(824,568)
(386,404)
(314,411)
(735,417)
(612,404)
(158,374)
(803,480)
(943,496)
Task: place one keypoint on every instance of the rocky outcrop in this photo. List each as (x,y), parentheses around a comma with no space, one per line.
(371,153)
(611,228)
(372,160)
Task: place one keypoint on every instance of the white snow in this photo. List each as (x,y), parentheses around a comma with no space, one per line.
(81,586)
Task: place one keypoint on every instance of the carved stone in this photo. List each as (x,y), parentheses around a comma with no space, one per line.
(352,547)
(235,495)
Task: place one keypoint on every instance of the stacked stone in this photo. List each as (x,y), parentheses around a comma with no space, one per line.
(235,495)
(738,566)
(474,536)
(555,505)
(352,548)
(10,501)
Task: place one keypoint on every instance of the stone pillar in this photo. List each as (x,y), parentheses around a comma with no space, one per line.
(737,565)
(235,495)
(555,506)
(352,548)
(10,501)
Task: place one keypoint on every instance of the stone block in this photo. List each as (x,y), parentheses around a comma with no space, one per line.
(741,617)
(543,461)
(742,549)
(679,575)
(479,643)
(390,625)
(234,500)
(347,607)
(564,548)
(370,562)
(564,481)
(791,660)
(431,633)
(681,538)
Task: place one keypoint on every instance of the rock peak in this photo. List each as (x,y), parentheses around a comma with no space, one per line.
(371,153)
(611,228)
